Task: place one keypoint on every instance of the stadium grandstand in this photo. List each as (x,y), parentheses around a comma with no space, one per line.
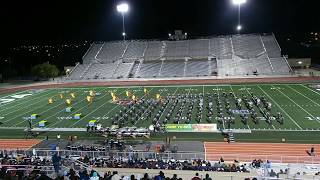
(234,55)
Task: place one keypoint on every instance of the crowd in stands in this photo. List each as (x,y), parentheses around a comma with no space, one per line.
(196,165)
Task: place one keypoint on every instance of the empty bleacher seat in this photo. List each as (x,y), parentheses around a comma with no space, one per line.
(134,51)
(172,68)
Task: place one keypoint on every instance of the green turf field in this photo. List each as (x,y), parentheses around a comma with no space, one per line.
(299,104)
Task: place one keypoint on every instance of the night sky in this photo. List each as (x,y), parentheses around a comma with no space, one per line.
(60,20)
(57,22)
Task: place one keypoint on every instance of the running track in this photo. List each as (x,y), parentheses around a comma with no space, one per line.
(14,144)
(275,152)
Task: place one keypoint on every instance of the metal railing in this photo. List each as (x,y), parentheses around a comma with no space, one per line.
(170,155)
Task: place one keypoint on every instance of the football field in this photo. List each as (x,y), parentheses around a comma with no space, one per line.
(297,104)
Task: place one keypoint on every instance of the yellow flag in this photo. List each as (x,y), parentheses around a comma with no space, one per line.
(145,90)
(89,99)
(91,93)
(73,95)
(61,96)
(50,101)
(113,94)
(133,97)
(128,93)
(114,99)
(68,102)
(158,96)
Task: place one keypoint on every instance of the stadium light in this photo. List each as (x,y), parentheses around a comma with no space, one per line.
(239,27)
(239,3)
(123,9)
(169,34)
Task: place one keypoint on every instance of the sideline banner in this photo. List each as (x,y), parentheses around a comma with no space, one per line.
(191,127)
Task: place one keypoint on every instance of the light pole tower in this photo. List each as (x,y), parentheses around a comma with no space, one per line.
(123,9)
(239,3)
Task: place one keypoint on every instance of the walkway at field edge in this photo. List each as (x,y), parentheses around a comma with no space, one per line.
(21,144)
(275,152)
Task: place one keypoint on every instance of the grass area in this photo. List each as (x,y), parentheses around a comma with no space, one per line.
(298,103)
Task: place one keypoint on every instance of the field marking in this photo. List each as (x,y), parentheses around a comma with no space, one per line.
(20,103)
(17,93)
(281,108)
(310,89)
(235,93)
(42,112)
(296,104)
(304,95)
(84,92)
(258,106)
(187,85)
(218,90)
(145,111)
(28,105)
(97,109)
(168,104)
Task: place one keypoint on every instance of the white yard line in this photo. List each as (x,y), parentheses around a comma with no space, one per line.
(280,108)
(43,112)
(224,127)
(235,93)
(304,96)
(310,89)
(72,111)
(82,118)
(168,104)
(144,112)
(25,100)
(296,104)
(26,106)
(258,107)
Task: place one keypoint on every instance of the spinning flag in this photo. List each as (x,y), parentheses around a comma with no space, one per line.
(158,96)
(89,99)
(73,95)
(50,101)
(61,96)
(128,93)
(145,90)
(114,96)
(91,93)
(68,102)
(134,97)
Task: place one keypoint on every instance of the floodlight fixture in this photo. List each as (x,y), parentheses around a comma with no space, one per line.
(169,34)
(123,8)
(239,27)
(238,2)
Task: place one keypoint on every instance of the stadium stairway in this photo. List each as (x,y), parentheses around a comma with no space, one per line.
(231,138)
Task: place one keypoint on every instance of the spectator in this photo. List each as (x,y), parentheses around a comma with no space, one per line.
(115,176)
(196,177)
(132,177)
(94,176)
(174,177)
(145,176)
(207,177)
(160,176)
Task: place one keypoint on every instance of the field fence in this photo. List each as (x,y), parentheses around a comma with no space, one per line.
(168,155)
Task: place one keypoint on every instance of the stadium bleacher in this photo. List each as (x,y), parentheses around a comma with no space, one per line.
(247,54)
